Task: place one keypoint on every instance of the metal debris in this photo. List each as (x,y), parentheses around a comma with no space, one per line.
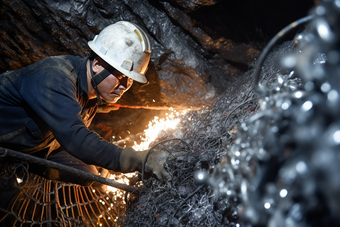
(283,168)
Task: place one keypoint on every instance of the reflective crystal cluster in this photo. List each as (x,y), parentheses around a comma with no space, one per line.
(283,168)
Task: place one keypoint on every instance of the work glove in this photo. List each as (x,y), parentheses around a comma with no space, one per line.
(131,160)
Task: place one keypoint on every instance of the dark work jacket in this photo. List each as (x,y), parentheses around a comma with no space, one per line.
(46,105)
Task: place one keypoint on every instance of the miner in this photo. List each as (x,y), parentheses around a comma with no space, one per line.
(47,107)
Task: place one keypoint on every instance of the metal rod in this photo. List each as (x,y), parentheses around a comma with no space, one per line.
(274,42)
(78,173)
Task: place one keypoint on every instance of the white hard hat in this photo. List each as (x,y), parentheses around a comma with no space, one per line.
(126,47)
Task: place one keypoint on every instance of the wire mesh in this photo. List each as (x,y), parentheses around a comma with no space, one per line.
(37,201)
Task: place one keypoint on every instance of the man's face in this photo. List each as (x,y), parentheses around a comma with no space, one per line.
(113,86)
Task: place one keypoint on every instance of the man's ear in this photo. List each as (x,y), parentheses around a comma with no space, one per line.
(96,66)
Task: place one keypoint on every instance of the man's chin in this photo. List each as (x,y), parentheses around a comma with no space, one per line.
(112,101)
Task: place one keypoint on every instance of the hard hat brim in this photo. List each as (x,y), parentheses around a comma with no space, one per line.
(131,74)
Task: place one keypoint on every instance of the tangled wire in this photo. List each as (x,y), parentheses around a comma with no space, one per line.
(205,135)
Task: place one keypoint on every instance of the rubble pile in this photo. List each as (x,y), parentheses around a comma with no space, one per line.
(280,168)
(205,135)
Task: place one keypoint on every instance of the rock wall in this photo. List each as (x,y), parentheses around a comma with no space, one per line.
(200,48)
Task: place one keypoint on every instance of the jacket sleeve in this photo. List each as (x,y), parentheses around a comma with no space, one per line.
(52,95)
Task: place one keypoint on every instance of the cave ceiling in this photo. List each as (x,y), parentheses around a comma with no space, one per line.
(200,47)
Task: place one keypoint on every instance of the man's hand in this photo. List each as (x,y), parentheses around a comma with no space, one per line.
(156,161)
(131,160)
